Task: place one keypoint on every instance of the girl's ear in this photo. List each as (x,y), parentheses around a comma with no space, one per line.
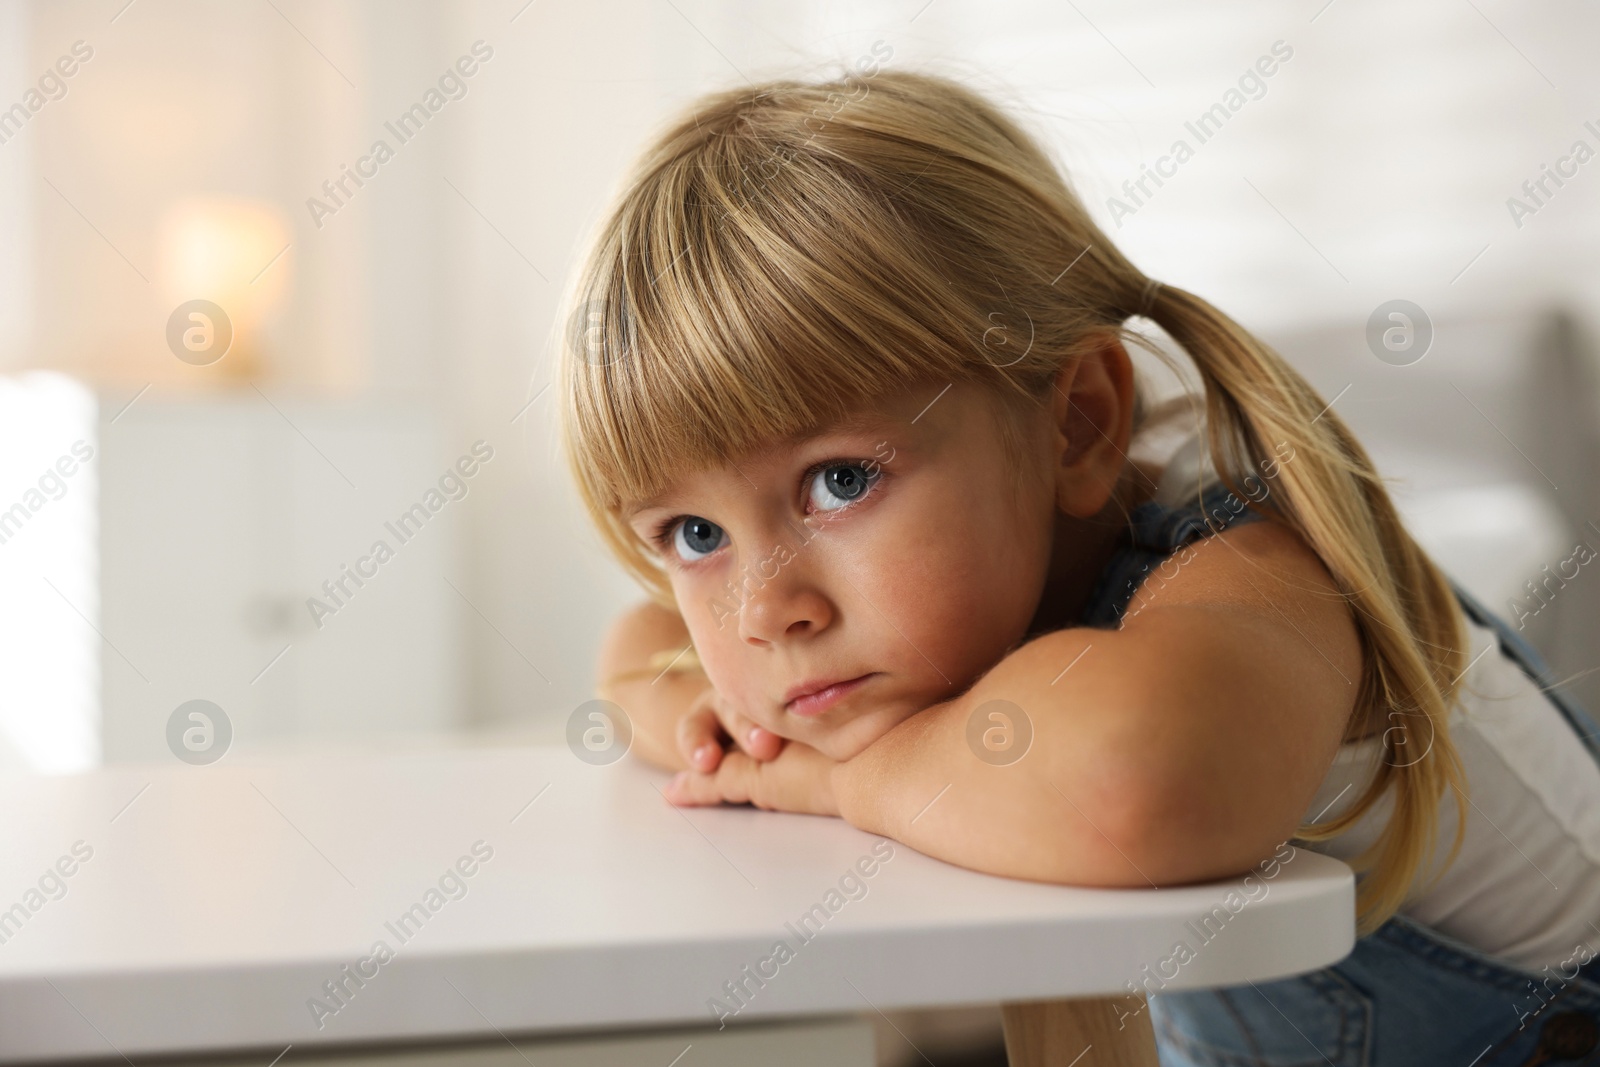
(1092,411)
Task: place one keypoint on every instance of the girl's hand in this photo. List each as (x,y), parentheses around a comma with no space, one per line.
(703,728)
(798,779)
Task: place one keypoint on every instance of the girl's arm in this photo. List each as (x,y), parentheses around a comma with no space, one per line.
(655,705)
(1182,747)
(676,719)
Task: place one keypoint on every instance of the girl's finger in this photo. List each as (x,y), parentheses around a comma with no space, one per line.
(689,789)
(700,739)
(734,782)
(762,744)
(755,741)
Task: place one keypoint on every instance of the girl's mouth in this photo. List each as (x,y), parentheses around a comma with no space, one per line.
(814,698)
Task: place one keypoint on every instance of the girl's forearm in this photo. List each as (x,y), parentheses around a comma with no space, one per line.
(653,712)
(1047,816)
(1133,775)
(653,700)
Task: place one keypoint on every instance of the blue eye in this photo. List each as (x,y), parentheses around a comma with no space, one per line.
(695,538)
(839,484)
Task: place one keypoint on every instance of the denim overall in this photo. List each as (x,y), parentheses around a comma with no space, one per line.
(1407,996)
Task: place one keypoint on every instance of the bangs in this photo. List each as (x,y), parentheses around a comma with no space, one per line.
(756,286)
(723,324)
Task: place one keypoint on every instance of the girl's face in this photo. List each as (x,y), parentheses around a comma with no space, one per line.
(899,551)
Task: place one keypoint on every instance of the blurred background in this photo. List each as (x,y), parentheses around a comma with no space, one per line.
(241,344)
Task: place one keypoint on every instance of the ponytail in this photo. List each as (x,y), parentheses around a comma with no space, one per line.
(1405,611)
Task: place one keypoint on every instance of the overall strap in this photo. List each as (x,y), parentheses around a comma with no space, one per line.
(1155,531)
(1533,665)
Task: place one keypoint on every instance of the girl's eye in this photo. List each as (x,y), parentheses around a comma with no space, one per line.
(839,484)
(695,538)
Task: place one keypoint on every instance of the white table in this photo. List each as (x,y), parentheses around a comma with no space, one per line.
(218,901)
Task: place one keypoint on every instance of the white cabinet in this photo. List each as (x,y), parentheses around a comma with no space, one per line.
(222,517)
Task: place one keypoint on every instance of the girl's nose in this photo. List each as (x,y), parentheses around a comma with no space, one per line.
(785,607)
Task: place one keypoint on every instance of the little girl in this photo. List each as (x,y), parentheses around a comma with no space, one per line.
(847,390)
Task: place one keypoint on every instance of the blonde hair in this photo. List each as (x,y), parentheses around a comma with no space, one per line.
(787,251)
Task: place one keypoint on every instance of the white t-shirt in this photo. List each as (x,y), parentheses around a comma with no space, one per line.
(1525,886)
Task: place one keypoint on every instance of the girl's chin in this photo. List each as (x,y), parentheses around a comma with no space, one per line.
(848,740)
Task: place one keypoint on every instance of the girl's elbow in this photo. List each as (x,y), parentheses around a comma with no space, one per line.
(1178,832)
(1118,831)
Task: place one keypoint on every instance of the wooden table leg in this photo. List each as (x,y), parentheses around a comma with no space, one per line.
(1053,1033)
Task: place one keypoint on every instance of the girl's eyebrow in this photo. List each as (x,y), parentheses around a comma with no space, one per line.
(852,424)
(857,422)
(634,510)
